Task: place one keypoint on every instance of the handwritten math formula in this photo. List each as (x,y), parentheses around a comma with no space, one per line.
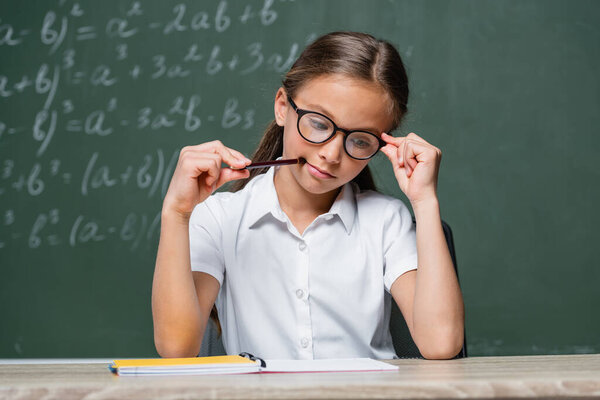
(97,98)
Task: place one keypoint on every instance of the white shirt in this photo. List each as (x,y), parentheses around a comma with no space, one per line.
(322,294)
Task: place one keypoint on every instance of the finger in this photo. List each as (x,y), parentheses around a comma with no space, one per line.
(229,156)
(421,151)
(408,167)
(194,163)
(401,143)
(208,165)
(215,175)
(418,152)
(410,155)
(416,138)
(396,154)
(391,139)
(402,153)
(232,159)
(398,140)
(228,174)
(240,156)
(391,152)
(398,143)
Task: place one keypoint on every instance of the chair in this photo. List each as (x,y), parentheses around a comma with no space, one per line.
(403,344)
(212,345)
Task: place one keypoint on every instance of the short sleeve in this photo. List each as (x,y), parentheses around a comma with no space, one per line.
(399,242)
(206,253)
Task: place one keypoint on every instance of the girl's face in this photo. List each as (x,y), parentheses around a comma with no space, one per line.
(352,104)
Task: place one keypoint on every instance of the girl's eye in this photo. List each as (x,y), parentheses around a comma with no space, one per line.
(319,124)
(360,143)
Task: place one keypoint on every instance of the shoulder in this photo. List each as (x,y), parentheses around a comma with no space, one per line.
(382,214)
(388,220)
(370,201)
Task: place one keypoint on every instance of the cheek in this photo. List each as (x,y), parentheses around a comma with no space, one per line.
(292,141)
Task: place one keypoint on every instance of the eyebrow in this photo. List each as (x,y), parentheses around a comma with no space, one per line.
(323,110)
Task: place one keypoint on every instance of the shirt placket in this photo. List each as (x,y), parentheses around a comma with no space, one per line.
(302,293)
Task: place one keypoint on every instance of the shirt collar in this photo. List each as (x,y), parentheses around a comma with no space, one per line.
(264,201)
(344,206)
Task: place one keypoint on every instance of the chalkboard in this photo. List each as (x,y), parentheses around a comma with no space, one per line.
(97,98)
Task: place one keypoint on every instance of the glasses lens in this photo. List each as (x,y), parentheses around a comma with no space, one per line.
(315,127)
(361,144)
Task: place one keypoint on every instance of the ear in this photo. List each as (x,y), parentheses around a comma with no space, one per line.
(281,106)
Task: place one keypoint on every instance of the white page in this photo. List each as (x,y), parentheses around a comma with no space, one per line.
(327,365)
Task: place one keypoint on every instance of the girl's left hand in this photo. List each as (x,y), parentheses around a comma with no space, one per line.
(416,164)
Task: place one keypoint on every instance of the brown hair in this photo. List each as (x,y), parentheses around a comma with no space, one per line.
(355,55)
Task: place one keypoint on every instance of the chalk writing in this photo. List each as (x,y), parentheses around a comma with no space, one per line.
(102,100)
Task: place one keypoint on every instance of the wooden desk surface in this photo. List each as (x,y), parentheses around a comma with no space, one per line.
(476,377)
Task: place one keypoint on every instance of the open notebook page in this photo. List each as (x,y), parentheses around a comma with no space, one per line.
(327,365)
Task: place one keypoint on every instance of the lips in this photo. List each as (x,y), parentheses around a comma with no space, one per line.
(318,172)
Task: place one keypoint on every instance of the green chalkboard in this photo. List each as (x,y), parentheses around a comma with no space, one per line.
(97,98)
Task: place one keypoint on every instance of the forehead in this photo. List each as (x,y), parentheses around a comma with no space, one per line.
(351,103)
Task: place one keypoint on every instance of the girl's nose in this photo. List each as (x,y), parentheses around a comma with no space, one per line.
(332,150)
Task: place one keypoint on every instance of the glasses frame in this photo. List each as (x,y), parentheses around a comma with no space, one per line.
(336,128)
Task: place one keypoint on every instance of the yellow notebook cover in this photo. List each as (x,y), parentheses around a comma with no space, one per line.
(215,364)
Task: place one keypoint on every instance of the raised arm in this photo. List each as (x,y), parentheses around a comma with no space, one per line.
(182,299)
(429,297)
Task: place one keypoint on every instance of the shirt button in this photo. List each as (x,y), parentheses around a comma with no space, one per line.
(302,246)
(304,342)
(299,293)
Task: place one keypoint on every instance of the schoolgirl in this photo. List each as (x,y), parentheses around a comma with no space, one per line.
(302,261)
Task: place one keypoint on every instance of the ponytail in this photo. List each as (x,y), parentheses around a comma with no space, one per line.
(269,148)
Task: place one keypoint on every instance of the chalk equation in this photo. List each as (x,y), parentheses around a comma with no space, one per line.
(50,229)
(96,100)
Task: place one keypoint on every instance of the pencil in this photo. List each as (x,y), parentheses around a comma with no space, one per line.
(264,164)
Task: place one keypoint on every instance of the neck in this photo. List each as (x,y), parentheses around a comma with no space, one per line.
(301,206)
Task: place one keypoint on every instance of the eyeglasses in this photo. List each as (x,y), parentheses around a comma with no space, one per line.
(317,128)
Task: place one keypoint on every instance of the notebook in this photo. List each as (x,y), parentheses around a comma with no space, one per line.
(246,364)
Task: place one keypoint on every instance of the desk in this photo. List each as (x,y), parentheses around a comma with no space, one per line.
(476,377)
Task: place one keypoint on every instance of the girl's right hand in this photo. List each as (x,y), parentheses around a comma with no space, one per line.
(198,174)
